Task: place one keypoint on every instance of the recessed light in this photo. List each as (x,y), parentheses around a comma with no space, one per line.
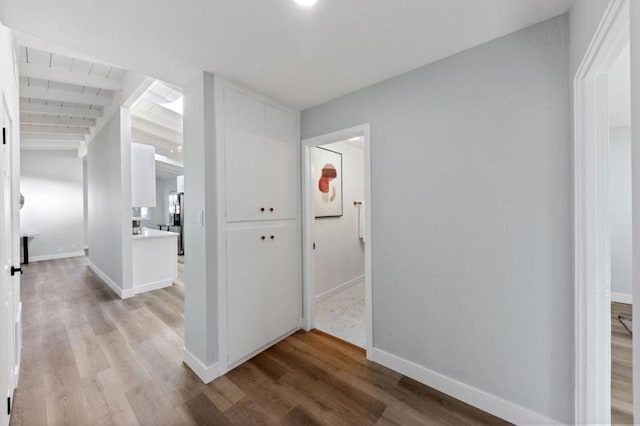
(306,3)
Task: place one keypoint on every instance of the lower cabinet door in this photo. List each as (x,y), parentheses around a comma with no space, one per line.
(284,283)
(247,293)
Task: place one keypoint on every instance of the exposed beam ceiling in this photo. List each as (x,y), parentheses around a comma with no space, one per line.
(27,107)
(52,130)
(161,117)
(28,118)
(64,76)
(155,130)
(61,97)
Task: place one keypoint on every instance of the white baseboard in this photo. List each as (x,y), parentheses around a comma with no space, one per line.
(206,374)
(152,286)
(56,256)
(480,399)
(123,294)
(341,287)
(622,298)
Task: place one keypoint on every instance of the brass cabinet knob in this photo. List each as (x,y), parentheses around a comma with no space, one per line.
(273,237)
(263,238)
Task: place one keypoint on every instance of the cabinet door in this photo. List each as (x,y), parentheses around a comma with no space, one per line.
(283,163)
(244,157)
(284,283)
(247,294)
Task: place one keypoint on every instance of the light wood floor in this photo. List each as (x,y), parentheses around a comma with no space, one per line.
(621,377)
(90,358)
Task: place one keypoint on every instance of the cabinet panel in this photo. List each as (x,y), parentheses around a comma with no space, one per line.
(244,125)
(282,166)
(285,286)
(247,292)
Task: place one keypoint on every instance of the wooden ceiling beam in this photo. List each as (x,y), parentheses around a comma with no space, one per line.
(64,76)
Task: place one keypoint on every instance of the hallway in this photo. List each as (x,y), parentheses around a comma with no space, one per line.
(91,358)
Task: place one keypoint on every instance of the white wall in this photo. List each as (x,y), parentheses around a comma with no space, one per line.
(620,212)
(200,237)
(339,253)
(584,17)
(109,201)
(52,184)
(472,237)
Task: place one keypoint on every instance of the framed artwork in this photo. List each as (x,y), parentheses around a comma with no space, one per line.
(327,182)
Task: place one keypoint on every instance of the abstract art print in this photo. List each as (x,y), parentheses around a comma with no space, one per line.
(327,182)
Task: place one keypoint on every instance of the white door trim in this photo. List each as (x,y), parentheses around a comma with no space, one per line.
(309,292)
(592,269)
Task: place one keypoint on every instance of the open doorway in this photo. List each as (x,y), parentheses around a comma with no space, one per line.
(337,235)
(337,176)
(620,229)
(157,121)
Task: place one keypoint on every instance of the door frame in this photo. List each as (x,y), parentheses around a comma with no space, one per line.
(308,261)
(592,256)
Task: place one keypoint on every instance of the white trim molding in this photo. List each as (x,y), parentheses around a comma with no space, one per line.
(56,256)
(592,257)
(123,294)
(206,373)
(338,289)
(485,401)
(157,285)
(622,298)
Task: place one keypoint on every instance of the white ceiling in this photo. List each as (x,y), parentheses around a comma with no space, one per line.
(156,120)
(301,56)
(620,91)
(61,97)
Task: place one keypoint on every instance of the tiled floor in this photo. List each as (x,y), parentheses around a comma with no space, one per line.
(342,315)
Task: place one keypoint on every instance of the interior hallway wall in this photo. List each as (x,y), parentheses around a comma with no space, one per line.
(472,238)
(339,253)
(52,184)
(109,204)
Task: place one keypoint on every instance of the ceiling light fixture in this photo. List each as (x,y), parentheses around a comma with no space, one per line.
(306,3)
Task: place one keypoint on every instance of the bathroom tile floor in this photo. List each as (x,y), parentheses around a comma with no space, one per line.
(342,315)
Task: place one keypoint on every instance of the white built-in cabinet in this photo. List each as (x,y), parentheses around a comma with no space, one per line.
(263,274)
(261,160)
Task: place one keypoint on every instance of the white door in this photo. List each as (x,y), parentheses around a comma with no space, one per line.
(247,291)
(7,324)
(283,279)
(246,184)
(281,129)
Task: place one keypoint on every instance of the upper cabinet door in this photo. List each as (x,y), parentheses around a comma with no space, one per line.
(282,163)
(246,183)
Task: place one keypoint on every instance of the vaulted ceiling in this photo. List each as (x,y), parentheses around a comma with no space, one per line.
(156,119)
(301,56)
(61,97)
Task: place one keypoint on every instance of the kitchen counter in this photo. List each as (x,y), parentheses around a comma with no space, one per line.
(155,260)
(154,233)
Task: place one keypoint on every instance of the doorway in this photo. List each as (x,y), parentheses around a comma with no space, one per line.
(337,235)
(593,261)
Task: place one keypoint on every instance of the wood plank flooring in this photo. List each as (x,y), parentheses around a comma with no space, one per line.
(90,358)
(621,373)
